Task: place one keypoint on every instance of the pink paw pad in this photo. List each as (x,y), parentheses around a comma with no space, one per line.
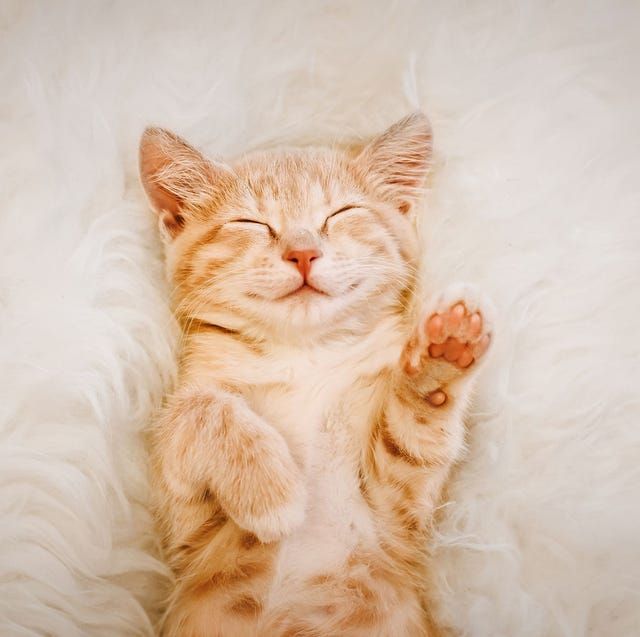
(457,335)
(437,398)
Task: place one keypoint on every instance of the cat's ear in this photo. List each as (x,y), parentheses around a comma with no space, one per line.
(399,160)
(176,178)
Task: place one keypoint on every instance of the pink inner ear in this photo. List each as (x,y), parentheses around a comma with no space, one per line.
(166,204)
(164,201)
(172,222)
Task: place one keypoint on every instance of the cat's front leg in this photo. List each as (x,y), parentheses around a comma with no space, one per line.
(419,432)
(209,441)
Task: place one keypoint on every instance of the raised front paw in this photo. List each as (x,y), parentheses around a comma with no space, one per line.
(454,328)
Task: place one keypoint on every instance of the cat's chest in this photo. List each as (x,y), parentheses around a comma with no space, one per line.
(326,429)
(324,407)
(319,416)
(321,405)
(309,391)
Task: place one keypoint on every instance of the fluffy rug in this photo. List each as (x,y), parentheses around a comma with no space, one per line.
(535,197)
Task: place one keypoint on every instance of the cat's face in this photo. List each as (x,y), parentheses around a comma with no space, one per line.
(294,241)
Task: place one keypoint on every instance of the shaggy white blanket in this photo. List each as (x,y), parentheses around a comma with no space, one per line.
(535,197)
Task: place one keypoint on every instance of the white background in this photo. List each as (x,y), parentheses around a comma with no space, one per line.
(535,198)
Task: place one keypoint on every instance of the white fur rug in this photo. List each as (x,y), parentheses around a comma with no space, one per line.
(535,107)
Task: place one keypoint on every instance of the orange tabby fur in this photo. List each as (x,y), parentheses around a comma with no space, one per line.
(298,463)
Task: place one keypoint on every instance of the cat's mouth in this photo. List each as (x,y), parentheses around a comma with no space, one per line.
(302,291)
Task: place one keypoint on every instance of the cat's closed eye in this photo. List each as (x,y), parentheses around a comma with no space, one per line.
(254,222)
(346,208)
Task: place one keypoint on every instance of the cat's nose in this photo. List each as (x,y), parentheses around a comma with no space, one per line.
(302,259)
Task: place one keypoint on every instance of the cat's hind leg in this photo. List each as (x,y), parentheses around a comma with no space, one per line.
(221,584)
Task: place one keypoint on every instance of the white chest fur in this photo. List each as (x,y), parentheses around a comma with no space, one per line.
(321,400)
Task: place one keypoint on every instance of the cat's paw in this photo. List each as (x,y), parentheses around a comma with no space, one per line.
(455,327)
(274,523)
(255,477)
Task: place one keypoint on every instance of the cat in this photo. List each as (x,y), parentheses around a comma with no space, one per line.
(320,398)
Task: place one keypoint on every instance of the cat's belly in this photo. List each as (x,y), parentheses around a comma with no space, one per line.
(327,570)
(327,441)
(334,565)
(337,521)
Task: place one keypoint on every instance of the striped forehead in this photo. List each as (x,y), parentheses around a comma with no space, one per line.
(294,189)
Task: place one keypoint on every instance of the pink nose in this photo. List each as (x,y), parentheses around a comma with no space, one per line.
(302,259)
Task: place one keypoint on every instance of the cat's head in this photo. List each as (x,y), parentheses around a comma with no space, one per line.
(292,241)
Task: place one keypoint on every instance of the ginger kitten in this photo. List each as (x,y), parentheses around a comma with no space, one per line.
(320,398)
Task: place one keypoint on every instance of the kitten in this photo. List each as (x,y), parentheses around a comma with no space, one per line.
(320,400)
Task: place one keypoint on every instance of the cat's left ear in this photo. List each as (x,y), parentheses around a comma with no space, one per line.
(399,160)
(177,178)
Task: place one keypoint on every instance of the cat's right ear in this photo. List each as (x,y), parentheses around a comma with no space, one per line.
(398,160)
(176,177)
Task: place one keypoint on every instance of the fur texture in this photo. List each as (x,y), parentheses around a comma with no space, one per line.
(320,397)
(534,197)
